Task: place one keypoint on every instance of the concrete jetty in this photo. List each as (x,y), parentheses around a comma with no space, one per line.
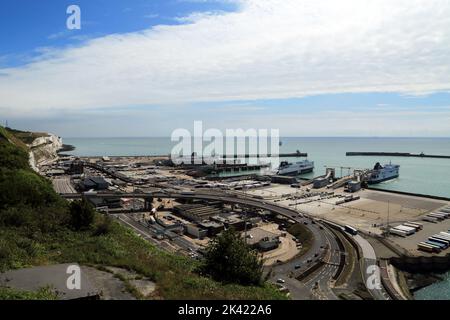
(396,154)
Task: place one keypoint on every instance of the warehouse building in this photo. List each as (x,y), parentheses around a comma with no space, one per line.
(105,202)
(353,186)
(213,228)
(196,212)
(196,231)
(320,183)
(230,221)
(283,179)
(93,183)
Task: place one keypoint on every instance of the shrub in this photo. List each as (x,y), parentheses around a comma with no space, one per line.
(82,215)
(24,187)
(229,259)
(103,227)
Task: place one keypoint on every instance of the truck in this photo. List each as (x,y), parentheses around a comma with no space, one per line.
(426,247)
(430,219)
(351,230)
(445,214)
(436,216)
(408,230)
(441,245)
(151,220)
(398,232)
(437,247)
(418,225)
(439,239)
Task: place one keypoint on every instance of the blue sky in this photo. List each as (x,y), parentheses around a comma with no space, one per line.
(29,25)
(145,68)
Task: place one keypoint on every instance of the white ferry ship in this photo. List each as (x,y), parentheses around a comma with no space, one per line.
(300,167)
(382,173)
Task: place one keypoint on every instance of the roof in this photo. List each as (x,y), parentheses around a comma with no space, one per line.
(258,234)
(208,224)
(97,179)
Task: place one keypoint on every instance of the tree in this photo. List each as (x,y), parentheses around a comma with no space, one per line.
(229,259)
(82,214)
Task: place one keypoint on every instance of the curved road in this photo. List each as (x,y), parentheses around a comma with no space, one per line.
(325,244)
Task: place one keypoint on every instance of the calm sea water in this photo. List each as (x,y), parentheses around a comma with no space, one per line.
(417,175)
(437,291)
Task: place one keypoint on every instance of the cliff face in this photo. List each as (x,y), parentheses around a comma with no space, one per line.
(44,150)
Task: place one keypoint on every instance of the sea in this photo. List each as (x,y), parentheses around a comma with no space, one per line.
(417,175)
(426,176)
(437,291)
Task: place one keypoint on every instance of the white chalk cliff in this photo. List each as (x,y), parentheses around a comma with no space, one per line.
(44,150)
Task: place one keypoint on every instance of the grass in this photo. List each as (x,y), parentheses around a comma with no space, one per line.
(35,231)
(41,294)
(404,285)
(304,235)
(26,136)
(174,275)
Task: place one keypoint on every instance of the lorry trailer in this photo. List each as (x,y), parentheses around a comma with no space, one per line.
(426,247)
(398,232)
(415,226)
(430,219)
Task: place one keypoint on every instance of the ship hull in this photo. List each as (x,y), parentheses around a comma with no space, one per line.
(295,172)
(382,180)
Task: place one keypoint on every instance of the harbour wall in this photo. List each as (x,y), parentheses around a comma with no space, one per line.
(396,154)
(410,194)
(422,264)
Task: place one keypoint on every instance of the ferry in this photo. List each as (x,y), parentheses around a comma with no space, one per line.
(296,168)
(382,173)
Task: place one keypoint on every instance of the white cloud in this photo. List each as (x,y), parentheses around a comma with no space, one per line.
(267,49)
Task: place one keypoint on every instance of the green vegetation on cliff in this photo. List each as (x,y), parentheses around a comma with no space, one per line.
(229,259)
(37,227)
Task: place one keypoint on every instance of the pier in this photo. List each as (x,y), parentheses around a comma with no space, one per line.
(280,155)
(396,154)
(193,158)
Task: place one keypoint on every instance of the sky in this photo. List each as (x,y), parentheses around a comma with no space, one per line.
(148,67)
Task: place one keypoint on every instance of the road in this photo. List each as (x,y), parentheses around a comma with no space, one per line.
(63,185)
(370,259)
(326,247)
(324,241)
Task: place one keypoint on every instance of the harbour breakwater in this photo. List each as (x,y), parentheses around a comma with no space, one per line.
(396,154)
(421,271)
(428,196)
(422,264)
